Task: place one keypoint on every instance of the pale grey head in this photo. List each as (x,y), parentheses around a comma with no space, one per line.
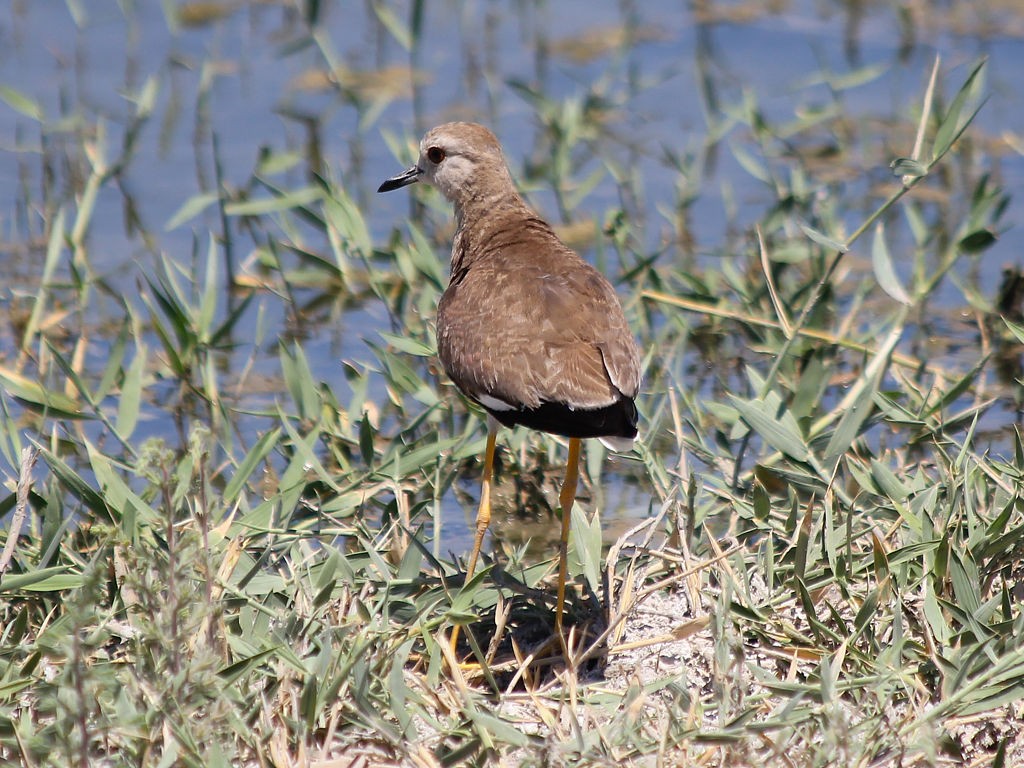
(463,160)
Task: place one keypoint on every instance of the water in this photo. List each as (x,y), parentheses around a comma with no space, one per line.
(240,78)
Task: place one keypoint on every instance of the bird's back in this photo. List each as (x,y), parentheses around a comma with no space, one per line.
(534,333)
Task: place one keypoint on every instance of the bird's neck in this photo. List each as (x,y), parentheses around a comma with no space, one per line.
(484,217)
(479,211)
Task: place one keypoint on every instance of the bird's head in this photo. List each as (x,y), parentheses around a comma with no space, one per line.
(461,159)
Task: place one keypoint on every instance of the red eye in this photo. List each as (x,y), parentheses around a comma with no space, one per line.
(435,155)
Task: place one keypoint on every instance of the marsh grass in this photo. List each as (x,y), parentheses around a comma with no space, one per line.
(832,549)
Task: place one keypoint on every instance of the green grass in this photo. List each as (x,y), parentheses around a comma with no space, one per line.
(829,574)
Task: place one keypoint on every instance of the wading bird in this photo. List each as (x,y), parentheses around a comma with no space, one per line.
(526,328)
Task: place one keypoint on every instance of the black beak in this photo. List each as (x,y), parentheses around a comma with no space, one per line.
(403,179)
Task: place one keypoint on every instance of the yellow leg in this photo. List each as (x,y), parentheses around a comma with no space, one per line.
(566,499)
(483,514)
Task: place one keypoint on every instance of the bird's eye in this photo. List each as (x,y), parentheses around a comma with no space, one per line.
(435,155)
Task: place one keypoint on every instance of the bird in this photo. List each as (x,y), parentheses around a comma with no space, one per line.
(526,328)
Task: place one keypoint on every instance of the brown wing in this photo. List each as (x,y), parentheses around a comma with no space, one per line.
(534,323)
